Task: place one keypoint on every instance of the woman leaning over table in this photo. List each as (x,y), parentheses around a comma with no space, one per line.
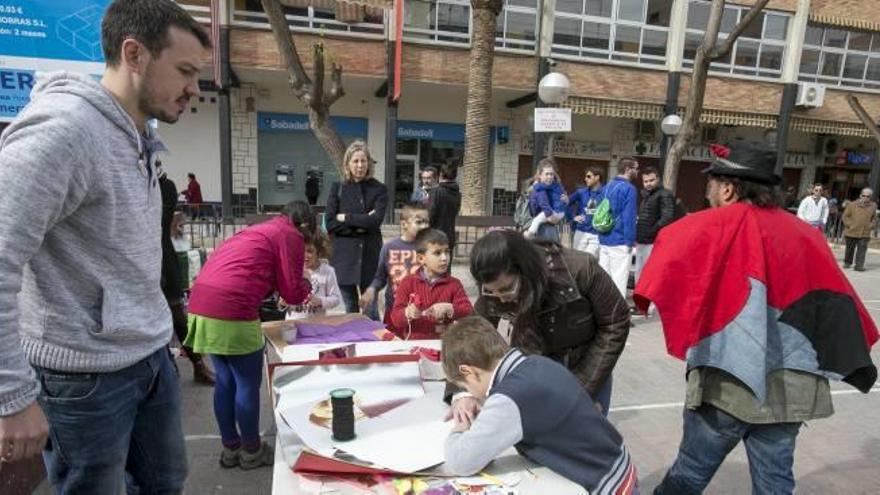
(549,300)
(224,322)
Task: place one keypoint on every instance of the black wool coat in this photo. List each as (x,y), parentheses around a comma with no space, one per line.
(356,242)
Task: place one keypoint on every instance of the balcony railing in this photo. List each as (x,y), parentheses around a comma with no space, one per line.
(435,22)
(312,20)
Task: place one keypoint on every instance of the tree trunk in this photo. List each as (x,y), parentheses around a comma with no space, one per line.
(710,49)
(479,99)
(310,91)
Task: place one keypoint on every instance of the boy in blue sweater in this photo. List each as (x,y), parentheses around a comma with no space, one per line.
(547,199)
(517,391)
(397,259)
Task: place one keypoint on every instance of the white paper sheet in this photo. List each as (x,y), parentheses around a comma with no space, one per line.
(406,439)
(406,449)
(375,384)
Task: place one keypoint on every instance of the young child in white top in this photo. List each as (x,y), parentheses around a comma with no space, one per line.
(325,289)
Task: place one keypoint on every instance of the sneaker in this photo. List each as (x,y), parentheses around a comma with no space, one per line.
(230,458)
(265,456)
(846,266)
(859,269)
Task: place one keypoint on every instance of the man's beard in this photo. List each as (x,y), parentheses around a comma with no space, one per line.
(147,98)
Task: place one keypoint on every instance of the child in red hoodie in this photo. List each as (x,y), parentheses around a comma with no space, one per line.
(427,301)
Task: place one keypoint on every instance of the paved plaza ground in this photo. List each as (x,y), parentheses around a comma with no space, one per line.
(838,455)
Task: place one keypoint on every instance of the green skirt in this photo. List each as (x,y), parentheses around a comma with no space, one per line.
(223,337)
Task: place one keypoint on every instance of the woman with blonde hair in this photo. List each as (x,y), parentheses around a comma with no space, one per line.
(547,202)
(355,210)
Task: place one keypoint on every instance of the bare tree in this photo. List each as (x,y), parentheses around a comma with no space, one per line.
(872,127)
(310,91)
(862,114)
(479,99)
(712,48)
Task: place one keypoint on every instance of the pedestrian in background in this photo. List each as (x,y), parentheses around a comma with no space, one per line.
(814,208)
(656,211)
(859,218)
(355,211)
(583,205)
(444,203)
(172,278)
(547,202)
(616,246)
(429,180)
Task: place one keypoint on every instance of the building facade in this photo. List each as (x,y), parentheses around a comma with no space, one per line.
(619,56)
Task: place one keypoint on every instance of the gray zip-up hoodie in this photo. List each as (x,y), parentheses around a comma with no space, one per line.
(80,239)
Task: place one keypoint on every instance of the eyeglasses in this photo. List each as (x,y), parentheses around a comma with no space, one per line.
(512,291)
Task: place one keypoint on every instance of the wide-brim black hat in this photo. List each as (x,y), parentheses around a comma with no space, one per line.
(746,161)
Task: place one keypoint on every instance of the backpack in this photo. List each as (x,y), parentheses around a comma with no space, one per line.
(603,220)
(522,217)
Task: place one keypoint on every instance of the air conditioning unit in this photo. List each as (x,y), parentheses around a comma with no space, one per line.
(810,95)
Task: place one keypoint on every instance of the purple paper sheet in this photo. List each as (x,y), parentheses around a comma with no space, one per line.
(352,331)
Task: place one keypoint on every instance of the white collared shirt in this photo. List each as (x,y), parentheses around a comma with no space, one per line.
(813,211)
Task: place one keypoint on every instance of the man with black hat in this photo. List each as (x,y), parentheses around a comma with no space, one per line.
(768,317)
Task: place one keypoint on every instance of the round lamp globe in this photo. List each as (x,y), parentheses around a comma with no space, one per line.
(553,88)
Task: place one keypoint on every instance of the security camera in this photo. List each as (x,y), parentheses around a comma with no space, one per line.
(551,63)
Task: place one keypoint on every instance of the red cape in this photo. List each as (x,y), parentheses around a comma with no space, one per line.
(704,268)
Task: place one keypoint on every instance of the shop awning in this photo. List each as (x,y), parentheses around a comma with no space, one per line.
(651,111)
(847,22)
(614,108)
(742,119)
(814,126)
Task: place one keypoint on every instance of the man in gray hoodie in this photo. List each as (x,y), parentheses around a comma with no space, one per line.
(83,323)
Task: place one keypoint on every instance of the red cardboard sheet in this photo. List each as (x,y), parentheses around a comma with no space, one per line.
(309,463)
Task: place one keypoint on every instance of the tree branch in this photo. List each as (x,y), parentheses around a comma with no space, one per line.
(336,89)
(862,114)
(713,26)
(724,48)
(299,80)
(318,81)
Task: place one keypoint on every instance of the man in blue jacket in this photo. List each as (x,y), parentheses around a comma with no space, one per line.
(581,209)
(615,246)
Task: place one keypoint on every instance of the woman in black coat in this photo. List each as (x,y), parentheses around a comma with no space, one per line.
(355,210)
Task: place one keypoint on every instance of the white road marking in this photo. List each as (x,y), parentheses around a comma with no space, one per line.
(192,438)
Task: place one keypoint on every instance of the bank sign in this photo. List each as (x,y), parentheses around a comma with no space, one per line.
(45,35)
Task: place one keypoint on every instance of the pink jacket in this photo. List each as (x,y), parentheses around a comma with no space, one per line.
(248,267)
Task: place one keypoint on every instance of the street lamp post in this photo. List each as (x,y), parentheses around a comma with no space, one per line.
(670,126)
(553,89)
